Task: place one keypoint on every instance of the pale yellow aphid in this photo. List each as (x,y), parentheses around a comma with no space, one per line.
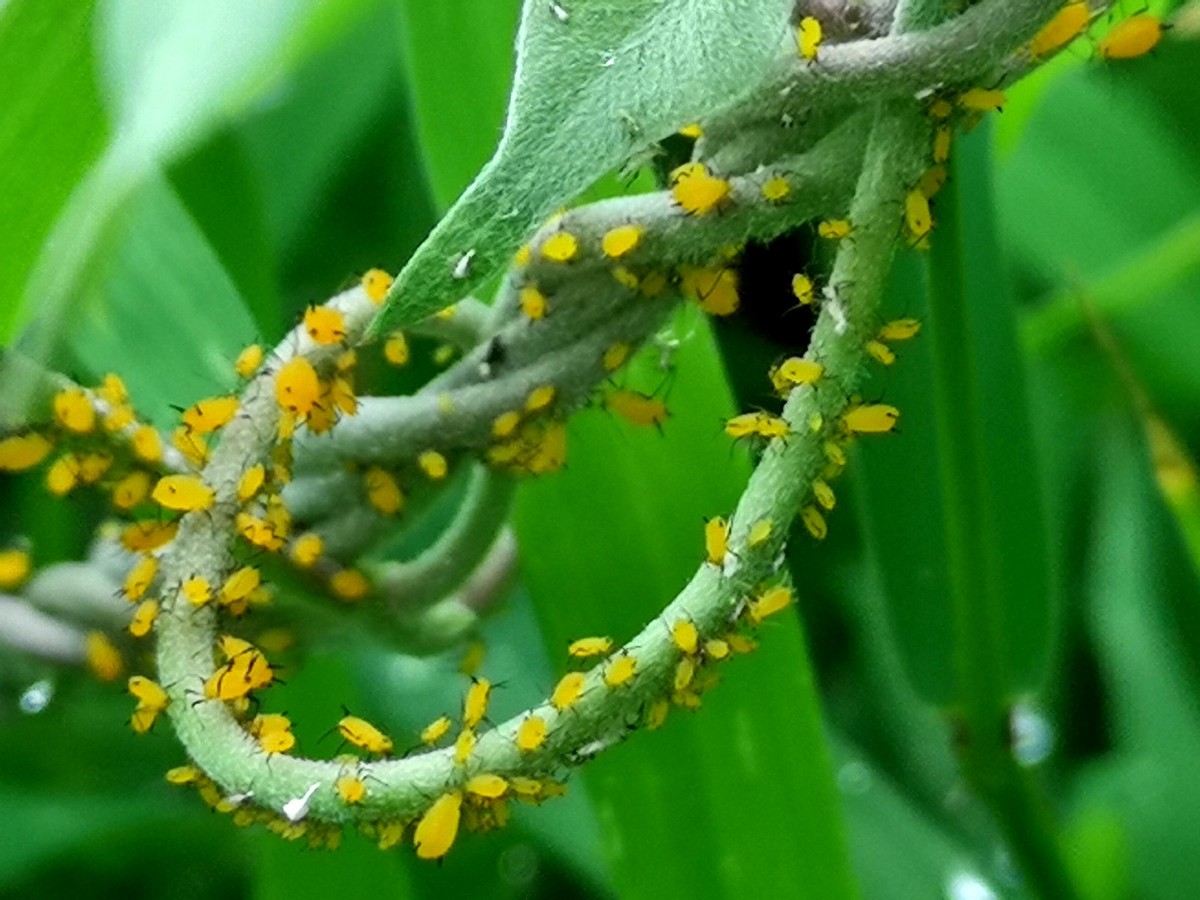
(472,658)
(877,418)
(757,423)
(140,577)
(307,549)
(835,454)
(1132,37)
(562,246)
(531,734)
(714,289)
(476,703)
(917,215)
(102,658)
(325,325)
(716,649)
(625,277)
(540,397)
(982,100)
(716,540)
(776,189)
(74,411)
(656,714)
(23,451)
(1068,23)
(768,603)
(438,826)
(880,352)
(376,283)
(350,788)
(802,289)
(206,416)
(685,671)
(808,38)
(941,108)
(464,745)
(92,466)
(297,387)
(433,464)
(435,730)
(248,361)
(590,646)
(273,731)
(941,143)
(15,566)
(685,635)
(899,330)
(814,522)
(151,700)
(794,372)
(486,786)
(196,590)
(760,533)
(506,423)
(824,494)
(620,671)
(131,490)
(349,585)
(383,491)
(143,618)
(147,445)
(693,131)
(835,229)
(619,241)
(181,775)
(363,735)
(568,690)
(523,256)
(533,302)
(395,349)
(390,834)
(697,190)
(615,356)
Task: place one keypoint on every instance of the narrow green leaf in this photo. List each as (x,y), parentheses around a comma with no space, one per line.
(595,82)
(738,799)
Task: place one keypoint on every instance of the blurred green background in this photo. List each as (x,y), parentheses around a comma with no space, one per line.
(205,171)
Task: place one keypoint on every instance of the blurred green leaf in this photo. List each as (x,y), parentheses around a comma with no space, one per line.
(595,82)
(606,543)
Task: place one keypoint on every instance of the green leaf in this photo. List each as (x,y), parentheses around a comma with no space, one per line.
(737,800)
(595,82)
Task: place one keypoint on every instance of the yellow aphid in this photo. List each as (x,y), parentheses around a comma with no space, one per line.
(506,423)
(74,411)
(880,352)
(716,649)
(715,290)
(297,387)
(363,735)
(531,734)
(196,590)
(376,283)
(142,537)
(102,658)
(941,143)
(615,356)
(143,618)
(390,834)
(620,671)
(823,494)
(349,585)
(1132,37)
(771,601)
(1067,24)
(540,397)
(23,451)
(716,540)
(472,658)
(523,256)
(685,671)
(589,646)
(131,490)
(802,289)
(916,214)
(112,390)
(636,407)
(533,302)
(693,131)
(757,423)
(568,690)
(383,491)
(63,475)
(685,635)
(982,100)
(92,466)
(14,568)
(835,454)
(273,732)
(776,189)
(251,481)
(793,372)
(814,522)
(476,703)
(208,415)
(140,577)
(697,190)
(258,532)
(874,419)
(147,445)
(307,549)
(562,246)
(248,361)
(325,325)
(621,240)
(740,643)
(438,827)
(808,38)
(941,108)
(760,533)
(242,674)
(464,745)
(899,330)
(433,464)
(232,646)
(118,418)
(654,284)
(350,789)
(240,585)
(656,714)
(395,349)
(435,730)
(181,775)
(151,700)
(625,277)
(932,180)
(183,493)
(487,786)
(835,229)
